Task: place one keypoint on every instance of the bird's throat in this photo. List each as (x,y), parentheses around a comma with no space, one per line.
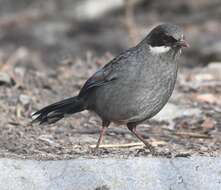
(157,50)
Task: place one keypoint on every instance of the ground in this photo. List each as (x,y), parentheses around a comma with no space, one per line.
(31,79)
(195,131)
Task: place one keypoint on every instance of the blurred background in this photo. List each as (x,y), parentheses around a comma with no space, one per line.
(48,48)
(55,29)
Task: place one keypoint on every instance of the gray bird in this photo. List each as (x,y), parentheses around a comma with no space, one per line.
(131,88)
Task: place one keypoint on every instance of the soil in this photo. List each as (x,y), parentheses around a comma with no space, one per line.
(31,80)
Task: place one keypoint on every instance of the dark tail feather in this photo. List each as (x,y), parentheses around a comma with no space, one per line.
(54,112)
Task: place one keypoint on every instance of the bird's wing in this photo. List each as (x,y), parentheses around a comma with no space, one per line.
(101,77)
(110,72)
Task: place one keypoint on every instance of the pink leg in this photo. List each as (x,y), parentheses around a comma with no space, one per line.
(102,131)
(132,128)
(105,124)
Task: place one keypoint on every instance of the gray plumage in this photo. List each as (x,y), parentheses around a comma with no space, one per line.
(131,88)
(143,85)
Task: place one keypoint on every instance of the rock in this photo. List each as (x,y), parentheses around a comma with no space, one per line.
(5,79)
(24,99)
(172,111)
(214,68)
(112,174)
(20,71)
(215,65)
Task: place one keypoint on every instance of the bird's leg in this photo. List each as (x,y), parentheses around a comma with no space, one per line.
(102,131)
(132,128)
(105,124)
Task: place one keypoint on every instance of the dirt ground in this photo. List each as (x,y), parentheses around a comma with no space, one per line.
(34,73)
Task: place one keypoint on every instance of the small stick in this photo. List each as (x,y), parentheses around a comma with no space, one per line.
(127,145)
(195,135)
(118,145)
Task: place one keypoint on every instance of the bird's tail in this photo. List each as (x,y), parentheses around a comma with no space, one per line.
(54,112)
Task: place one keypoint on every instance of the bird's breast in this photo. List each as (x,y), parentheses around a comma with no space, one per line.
(138,94)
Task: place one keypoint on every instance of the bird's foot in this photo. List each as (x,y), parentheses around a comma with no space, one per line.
(94,151)
(99,151)
(152,149)
(157,153)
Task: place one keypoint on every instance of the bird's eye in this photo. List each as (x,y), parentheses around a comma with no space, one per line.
(170,39)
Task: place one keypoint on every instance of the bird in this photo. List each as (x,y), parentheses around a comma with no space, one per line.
(131,88)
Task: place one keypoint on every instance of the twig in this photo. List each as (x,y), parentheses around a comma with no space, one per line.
(128,145)
(194,135)
(118,145)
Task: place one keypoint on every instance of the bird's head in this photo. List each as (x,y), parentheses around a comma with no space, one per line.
(166,37)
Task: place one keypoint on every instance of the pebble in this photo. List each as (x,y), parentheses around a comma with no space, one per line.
(5,79)
(24,99)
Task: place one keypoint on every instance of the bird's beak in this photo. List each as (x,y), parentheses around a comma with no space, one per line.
(183,43)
